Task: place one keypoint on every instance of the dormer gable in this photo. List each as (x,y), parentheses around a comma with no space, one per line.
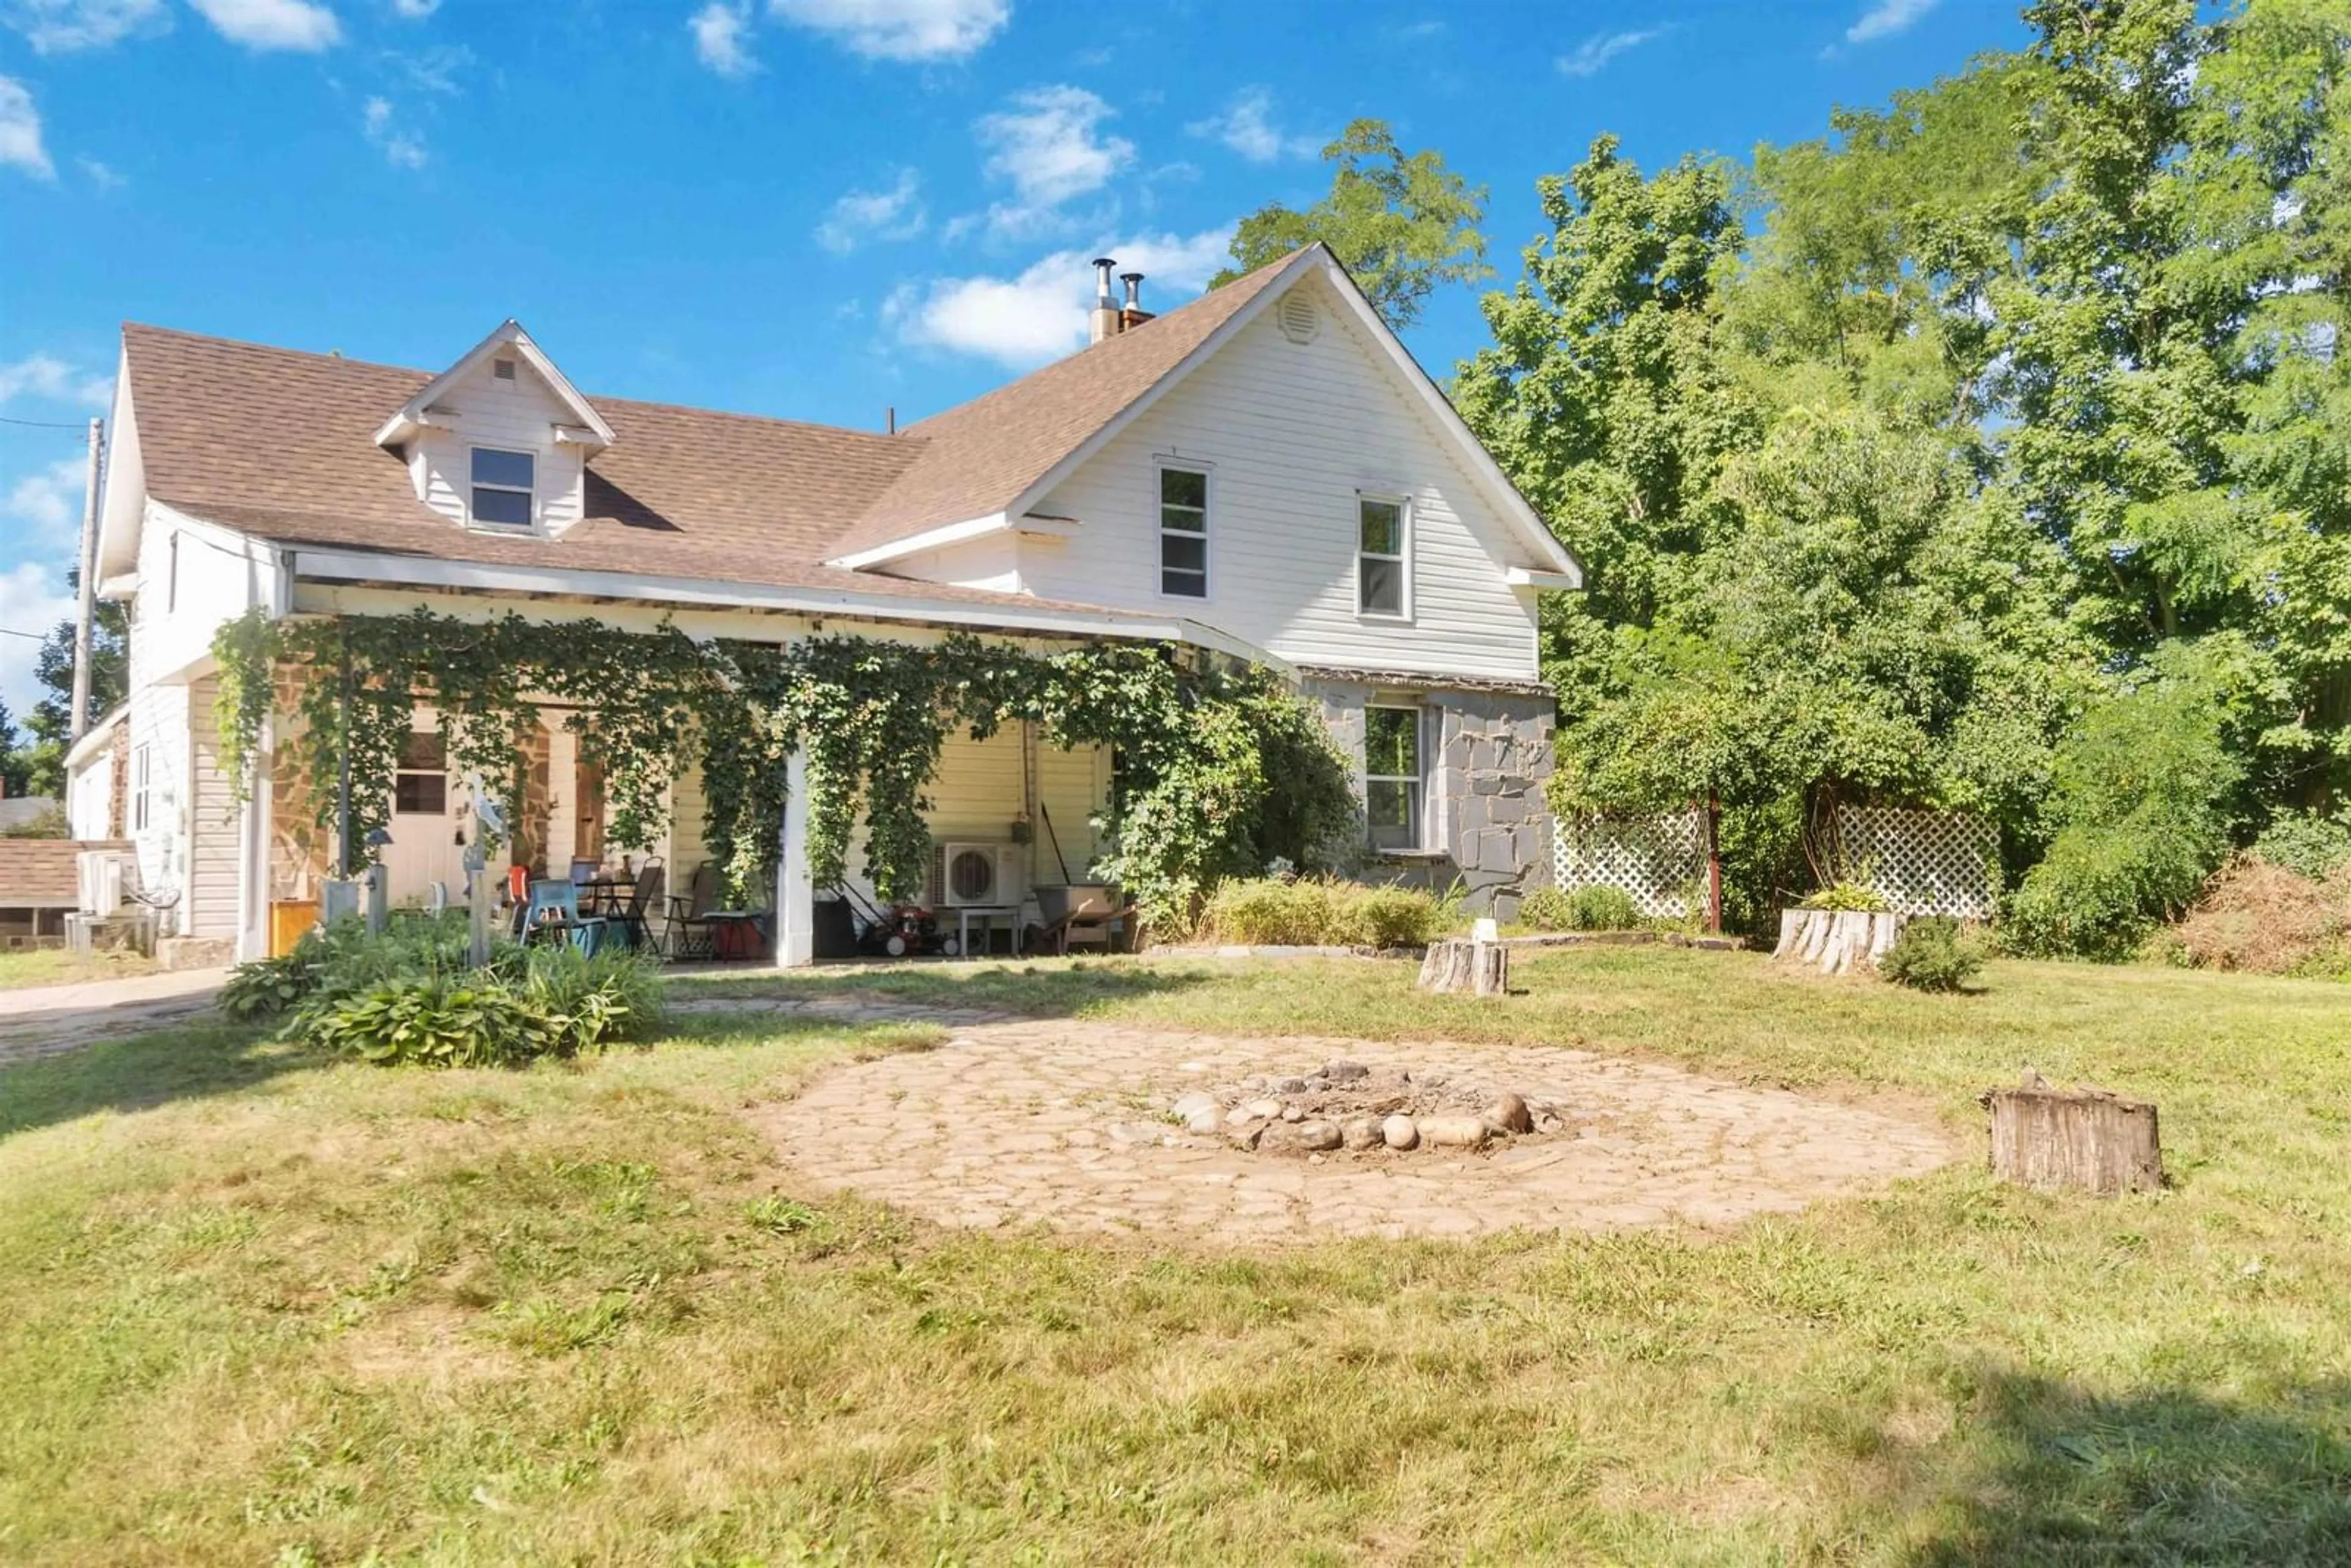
(499,441)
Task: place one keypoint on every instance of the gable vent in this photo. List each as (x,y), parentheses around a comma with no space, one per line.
(1298,317)
(503,369)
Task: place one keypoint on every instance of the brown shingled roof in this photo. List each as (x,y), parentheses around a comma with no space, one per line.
(280,443)
(40,873)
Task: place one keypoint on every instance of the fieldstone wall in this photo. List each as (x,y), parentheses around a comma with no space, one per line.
(1487,753)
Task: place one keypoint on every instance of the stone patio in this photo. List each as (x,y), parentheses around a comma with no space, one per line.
(1069,1125)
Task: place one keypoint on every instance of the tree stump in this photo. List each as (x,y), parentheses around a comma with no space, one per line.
(1836,941)
(1482,968)
(2084,1139)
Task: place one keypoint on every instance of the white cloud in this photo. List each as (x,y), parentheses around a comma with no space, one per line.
(1248,130)
(432,70)
(861,216)
(1597,51)
(32,599)
(414,10)
(379,123)
(102,175)
(20,132)
(1050,148)
(61,26)
(901,29)
(1040,314)
(296,24)
(50,499)
(1886,18)
(719,31)
(48,378)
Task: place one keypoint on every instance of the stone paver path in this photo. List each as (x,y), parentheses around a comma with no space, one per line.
(48,1020)
(1065,1123)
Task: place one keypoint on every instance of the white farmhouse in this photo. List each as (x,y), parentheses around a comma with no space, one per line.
(1265,471)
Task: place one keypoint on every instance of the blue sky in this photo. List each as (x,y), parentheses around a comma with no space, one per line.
(816,209)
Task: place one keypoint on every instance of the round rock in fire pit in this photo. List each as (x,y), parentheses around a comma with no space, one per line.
(1346,1105)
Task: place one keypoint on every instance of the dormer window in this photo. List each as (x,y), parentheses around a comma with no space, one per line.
(503,484)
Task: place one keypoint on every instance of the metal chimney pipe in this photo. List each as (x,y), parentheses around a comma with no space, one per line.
(1133,315)
(1105,321)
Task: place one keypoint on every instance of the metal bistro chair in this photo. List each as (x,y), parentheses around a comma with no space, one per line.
(646,894)
(690,932)
(554,909)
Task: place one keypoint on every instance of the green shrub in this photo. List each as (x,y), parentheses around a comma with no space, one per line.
(264,987)
(1598,908)
(1935,954)
(1315,913)
(586,1002)
(432,1020)
(1545,909)
(1592,908)
(2141,804)
(1387,917)
(1854,898)
(2307,843)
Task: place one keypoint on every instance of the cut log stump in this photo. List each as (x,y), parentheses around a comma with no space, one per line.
(1835,941)
(2086,1140)
(1482,968)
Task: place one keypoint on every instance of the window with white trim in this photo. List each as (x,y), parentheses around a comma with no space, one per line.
(1184,533)
(141,764)
(1383,556)
(503,482)
(1393,794)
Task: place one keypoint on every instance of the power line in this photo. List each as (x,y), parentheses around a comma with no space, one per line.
(28,636)
(44,423)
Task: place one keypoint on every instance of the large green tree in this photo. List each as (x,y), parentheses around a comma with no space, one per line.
(1402,224)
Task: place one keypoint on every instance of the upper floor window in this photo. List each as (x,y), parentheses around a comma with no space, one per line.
(1382,558)
(1184,533)
(503,482)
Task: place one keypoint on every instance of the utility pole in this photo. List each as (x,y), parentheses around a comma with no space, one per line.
(89,584)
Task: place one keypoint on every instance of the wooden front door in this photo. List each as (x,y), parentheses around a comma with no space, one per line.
(588,813)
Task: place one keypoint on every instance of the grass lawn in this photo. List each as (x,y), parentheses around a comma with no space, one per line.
(261,1308)
(55,967)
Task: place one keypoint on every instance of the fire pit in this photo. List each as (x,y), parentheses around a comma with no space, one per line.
(1346,1107)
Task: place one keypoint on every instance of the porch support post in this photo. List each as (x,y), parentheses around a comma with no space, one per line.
(795,942)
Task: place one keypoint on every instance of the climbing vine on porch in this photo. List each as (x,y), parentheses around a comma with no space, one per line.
(1220,768)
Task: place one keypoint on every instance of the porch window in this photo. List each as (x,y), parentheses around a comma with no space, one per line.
(1392,777)
(1184,533)
(503,482)
(141,763)
(1382,558)
(420,785)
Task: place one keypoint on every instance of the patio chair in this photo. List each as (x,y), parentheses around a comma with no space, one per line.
(554,910)
(690,932)
(645,895)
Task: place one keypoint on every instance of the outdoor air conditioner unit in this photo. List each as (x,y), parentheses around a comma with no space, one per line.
(99,878)
(978,873)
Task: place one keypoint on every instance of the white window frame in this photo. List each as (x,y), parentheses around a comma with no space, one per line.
(529,495)
(1159,529)
(143,771)
(1418,782)
(1402,504)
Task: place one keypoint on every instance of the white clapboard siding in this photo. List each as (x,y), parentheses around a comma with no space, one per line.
(211,888)
(1074,787)
(1289,433)
(519,415)
(687,847)
(992,563)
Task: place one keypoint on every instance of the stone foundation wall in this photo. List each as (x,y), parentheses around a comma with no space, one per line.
(1485,756)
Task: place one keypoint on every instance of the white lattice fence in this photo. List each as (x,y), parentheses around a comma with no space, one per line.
(1657,860)
(1923,862)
